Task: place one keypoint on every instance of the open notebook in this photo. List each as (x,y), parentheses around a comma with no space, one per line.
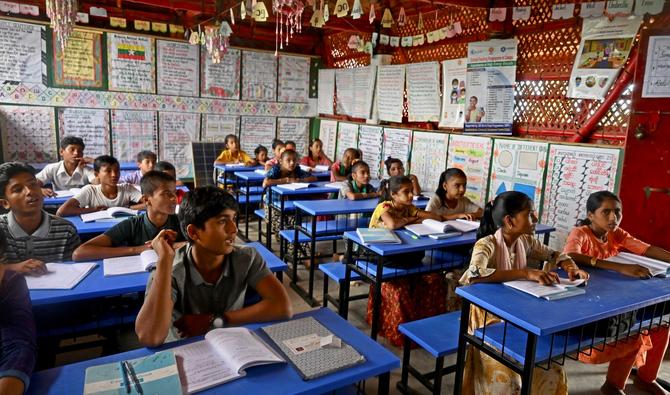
(110,213)
(564,289)
(67,192)
(61,276)
(431,226)
(294,186)
(130,264)
(656,267)
(378,236)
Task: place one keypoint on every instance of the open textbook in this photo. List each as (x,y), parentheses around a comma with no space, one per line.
(431,226)
(110,213)
(61,275)
(223,356)
(564,289)
(143,262)
(67,192)
(656,267)
(294,186)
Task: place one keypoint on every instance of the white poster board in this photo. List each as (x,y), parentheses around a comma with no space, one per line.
(259,76)
(177,68)
(364,88)
(130,61)
(344,86)
(390,92)
(326,91)
(472,154)
(28,134)
(371,139)
(453,93)
(132,132)
(328,136)
(92,125)
(293,129)
(423,92)
(256,131)
(429,158)
(347,137)
(293,78)
(221,79)
(657,69)
(216,127)
(21,46)
(177,131)
(397,144)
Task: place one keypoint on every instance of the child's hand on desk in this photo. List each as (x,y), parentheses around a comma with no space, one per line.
(163,243)
(193,324)
(544,278)
(636,271)
(48,192)
(574,274)
(32,267)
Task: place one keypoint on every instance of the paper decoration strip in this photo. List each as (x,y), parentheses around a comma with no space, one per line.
(328,136)
(21,59)
(255,131)
(293,78)
(371,139)
(28,134)
(429,158)
(423,95)
(259,76)
(591,9)
(80,66)
(347,137)
(131,63)
(294,129)
(216,127)
(90,124)
(177,131)
(221,79)
(132,132)
(177,68)
(472,154)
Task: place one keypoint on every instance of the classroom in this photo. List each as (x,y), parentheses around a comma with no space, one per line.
(335,196)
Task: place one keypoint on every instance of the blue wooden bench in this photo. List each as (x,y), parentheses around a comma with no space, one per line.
(335,271)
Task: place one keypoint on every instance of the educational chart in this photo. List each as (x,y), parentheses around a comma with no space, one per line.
(221,79)
(602,53)
(80,65)
(259,76)
(423,92)
(91,125)
(130,60)
(491,74)
(397,144)
(472,154)
(328,136)
(28,134)
(347,137)
(21,48)
(453,93)
(216,127)
(429,158)
(344,85)
(293,79)
(371,139)
(256,131)
(177,131)
(390,91)
(132,132)
(326,91)
(364,86)
(177,68)
(573,173)
(294,129)
(518,166)
(657,70)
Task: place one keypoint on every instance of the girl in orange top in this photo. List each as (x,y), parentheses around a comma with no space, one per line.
(592,242)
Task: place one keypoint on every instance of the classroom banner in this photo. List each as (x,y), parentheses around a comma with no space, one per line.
(347,137)
(397,144)
(518,165)
(328,136)
(390,92)
(255,131)
(371,139)
(602,54)
(344,86)
(221,79)
(91,125)
(28,134)
(491,74)
(21,45)
(573,173)
(423,92)
(177,131)
(472,154)
(177,68)
(429,158)
(80,66)
(453,93)
(294,129)
(132,132)
(259,76)
(216,127)
(130,61)
(293,78)
(326,92)
(364,86)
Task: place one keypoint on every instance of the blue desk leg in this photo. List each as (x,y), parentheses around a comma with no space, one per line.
(312,260)
(377,305)
(546,238)
(529,364)
(462,343)
(268,214)
(384,381)
(344,287)
(246,213)
(296,233)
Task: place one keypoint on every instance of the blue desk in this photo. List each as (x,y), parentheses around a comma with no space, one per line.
(58,201)
(246,180)
(271,379)
(92,228)
(222,172)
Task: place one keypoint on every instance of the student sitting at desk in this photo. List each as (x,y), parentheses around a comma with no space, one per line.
(71,172)
(449,201)
(18,348)
(394,167)
(167,167)
(341,169)
(291,145)
(33,236)
(132,236)
(233,154)
(202,285)
(109,193)
(592,242)
(358,185)
(506,242)
(316,155)
(146,160)
(287,171)
(278,148)
(261,155)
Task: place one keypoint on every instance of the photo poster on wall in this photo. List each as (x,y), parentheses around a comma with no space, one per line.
(518,166)
(22,60)
(133,131)
(472,154)
(573,173)
(177,68)
(326,91)
(328,136)
(216,127)
(255,131)
(28,134)
(222,79)
(259,76)
(293,129)
(364,86)
(293,78)
(397,144)
(390,92)
(347,137)
(80,65)
(423,92)
(371,138)
(344,86)
(429,158)
(92,125)
(177,131)
(454,72)
(131,63)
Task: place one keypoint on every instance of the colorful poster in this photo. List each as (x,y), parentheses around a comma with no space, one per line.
(294,129)
(423,92)
(602,54)
(91,125)
(397,144)
(21,48)
(177,68)
(255,131)
(491,74)
(132,132)
(28,134)
(293,78)
(328,136)
(573,173)
(657,69)
(326,92)
(364,86)
(472,154)
(80,66)
(221,79)
(390,92)
(259,76)
(130,60)
(177,131)
(453,93)
(347,137)
(216,127)
(518,165)
(371,138)
(429,158)
(344,86)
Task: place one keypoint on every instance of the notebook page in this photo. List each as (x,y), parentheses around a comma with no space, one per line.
(201,367)
(240,348)
(60,276)
(122,265)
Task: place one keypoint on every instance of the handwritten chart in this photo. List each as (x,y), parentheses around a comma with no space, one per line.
(472,154)
(91,125)
(326,91)
(177,131)
(177,68)
(259,76)
(221,79)
(344,86)
(130,62)
(423,92)
(429,158)
(295,129)
(80,66)
(217,127)
(371,138)
(390,90)
(657,69)
(347,137)
(132,132)
(28,134)
(293,78)
(328,136)
(255,131)
(364,84)
(21,52)
(397,143)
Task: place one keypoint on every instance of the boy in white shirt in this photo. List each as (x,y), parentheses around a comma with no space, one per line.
(71,172)
(109,193)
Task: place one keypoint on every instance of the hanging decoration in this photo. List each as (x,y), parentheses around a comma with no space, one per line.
(419,24)
(356,10)
(341,8)
(260,13)
(387,19)
(217,40)
(317,19)
(243,10)
(63,15)
(289,18)
(326,13)
(402,17)
(372,15)
(232,17)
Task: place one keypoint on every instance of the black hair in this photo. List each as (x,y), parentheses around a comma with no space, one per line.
(230,136)
(390,161)
(446,175)
(104,160)
(164,165)
(152,180)
(10,170)
(392,185)
(354,151)
(287,142)
(507,203)
(355,167)
(203,203)
(260,149)
(276,143)
(311,142)
(72,140)
(146,154)
(594,202)
(287,153)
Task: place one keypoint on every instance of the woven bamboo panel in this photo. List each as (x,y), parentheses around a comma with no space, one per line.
(547,53)
(473,21)
(428,53)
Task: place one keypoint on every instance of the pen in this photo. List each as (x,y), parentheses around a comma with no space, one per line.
(124,376)
(410,235)
(136,381)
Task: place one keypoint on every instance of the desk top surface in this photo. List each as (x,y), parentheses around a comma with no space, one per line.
(314,188)
(253,176)
(236,167)
(344,206)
